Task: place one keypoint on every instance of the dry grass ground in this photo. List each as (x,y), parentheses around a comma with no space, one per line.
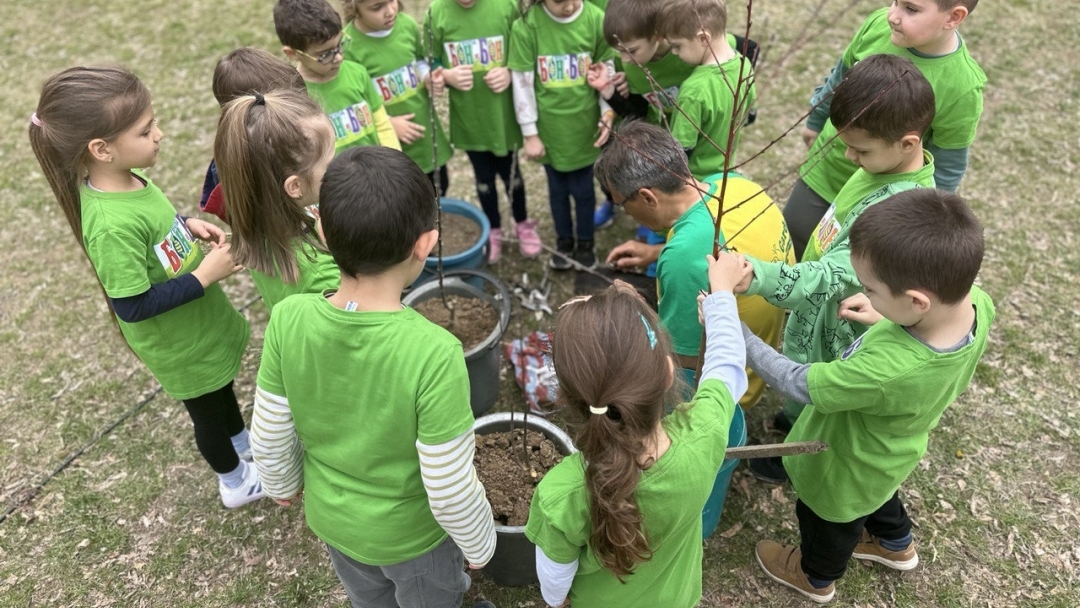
(135,520)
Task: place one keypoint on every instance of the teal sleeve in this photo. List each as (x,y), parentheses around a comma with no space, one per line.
(829,278)
(949,166)
(821,100)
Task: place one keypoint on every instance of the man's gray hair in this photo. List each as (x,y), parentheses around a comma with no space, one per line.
(640,155)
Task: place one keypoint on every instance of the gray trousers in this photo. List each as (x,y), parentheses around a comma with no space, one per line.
(802,212)
(436,579)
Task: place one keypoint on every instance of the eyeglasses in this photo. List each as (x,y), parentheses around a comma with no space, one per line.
(625,200)
(328,55)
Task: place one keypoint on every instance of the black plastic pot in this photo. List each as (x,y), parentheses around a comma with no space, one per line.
(514,562)
(482,360)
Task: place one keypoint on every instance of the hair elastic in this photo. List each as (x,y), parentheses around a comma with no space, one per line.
(599,411)
(34,120)
(259,99)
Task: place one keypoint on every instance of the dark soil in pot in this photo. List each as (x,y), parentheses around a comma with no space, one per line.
(509,483)
(472,320)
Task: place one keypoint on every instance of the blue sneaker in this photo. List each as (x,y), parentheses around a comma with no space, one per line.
(604,215)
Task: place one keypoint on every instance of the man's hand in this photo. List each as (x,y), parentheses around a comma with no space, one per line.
(634,253)
(605,128)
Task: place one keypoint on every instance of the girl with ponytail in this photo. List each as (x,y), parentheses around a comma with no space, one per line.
(619,523)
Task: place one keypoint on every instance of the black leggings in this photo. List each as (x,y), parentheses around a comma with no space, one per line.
(827,546)
(486,165)
(802,212)
(444,180)
(216,417)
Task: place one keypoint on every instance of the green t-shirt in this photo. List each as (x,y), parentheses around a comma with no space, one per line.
(671,495)
(363,387)
(318,272)
(708,101)
(480,120)
(392,62)
(559,54)
(135,240)
(860,186)
(669,72)
(350,103)
(875,406)
(958,103)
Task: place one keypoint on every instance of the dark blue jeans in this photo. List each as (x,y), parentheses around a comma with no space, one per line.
(486,166)
(562,186)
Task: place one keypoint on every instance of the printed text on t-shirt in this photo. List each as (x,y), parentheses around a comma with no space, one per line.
(352,122)
(398,85)
(556,71)
(481,53)
(174,249)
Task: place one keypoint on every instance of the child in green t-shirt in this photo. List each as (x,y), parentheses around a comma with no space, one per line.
(387,42)
(926,32)
(310,31)
(715,99)
(93,130)
(469,45)
(884,105)
(363,404)
(619,523)
(551,49)
(916,254)
(272,151)
(244,71)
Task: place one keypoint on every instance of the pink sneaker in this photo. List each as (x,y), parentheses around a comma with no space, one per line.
(528,239)
(494,245)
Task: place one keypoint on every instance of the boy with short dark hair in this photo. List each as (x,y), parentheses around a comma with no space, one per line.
(385,463)
(720,91)
(311,35)
(927,33)
(244,71)
(917,255)
(883,106)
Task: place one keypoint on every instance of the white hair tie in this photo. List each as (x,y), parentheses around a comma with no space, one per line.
(599,411)
(35,120)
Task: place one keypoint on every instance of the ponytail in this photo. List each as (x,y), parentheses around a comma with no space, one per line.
(261,141)
(612,362)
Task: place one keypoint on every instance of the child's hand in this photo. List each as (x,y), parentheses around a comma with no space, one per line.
(534,148)
(623,87)
(727,271)
(748,277)
(605,128)
(460,77)
(407,130)
(438,82)
(206,231)
(217,265)
(598,78)
(808,136)
(858,308)
(634,253)
(497,79)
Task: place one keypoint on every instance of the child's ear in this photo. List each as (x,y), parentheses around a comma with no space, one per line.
(957,14)
(911,141)
(292,187)
(424,244)
(99,150)
(290,53)
(920,301)
(704,37)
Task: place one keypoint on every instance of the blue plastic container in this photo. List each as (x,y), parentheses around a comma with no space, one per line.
(715,505)
(475,257)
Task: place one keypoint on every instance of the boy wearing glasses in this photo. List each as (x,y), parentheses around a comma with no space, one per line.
(311,35)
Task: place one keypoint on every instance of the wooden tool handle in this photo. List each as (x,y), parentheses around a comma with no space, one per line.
(777,449)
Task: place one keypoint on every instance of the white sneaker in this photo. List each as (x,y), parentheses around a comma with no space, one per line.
(249,491)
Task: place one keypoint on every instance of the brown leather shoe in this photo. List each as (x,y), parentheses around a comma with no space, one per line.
(781,563)
(869,548)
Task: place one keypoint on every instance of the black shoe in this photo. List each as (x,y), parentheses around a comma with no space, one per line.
(562,262)
(585,254)
(769,470)
(781,422)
